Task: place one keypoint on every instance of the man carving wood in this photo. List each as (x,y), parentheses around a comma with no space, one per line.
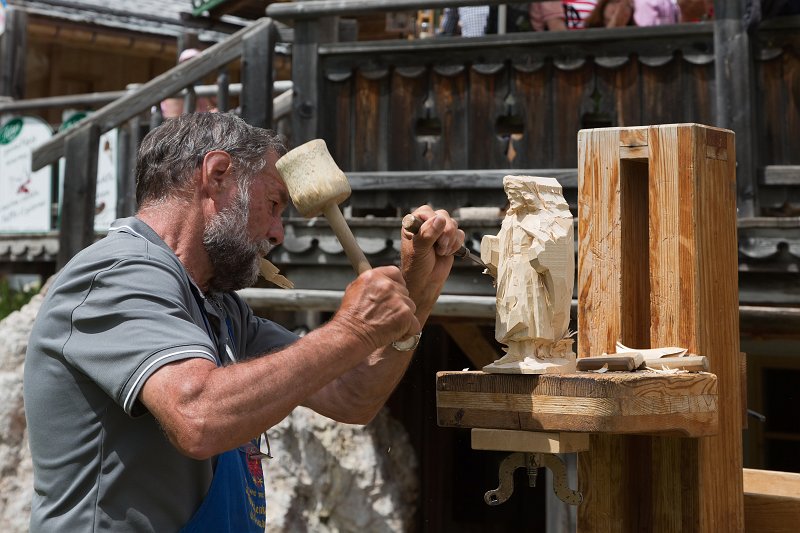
(532,260)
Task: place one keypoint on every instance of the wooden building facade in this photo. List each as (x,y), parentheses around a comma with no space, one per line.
(440,121)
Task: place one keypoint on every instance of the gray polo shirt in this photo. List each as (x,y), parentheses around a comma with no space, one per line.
(119,311)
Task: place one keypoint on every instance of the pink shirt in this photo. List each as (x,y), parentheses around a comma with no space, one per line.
(654,12)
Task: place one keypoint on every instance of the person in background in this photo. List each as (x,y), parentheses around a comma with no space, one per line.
(472,21)
(654,12)
(173,107)
(547,16)
(610,14)
(576,12)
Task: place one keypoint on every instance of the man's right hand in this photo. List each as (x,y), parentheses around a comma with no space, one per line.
(377,308)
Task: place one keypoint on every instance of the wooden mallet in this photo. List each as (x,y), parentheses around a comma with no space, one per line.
(317,186)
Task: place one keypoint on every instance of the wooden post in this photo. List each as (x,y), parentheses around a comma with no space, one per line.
(657,266)
(305,82)
(308,34)
(257,76)
(76,228)
(735,97)
(13,47)
(126,166)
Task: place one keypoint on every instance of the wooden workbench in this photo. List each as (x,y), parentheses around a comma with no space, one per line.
(643,403)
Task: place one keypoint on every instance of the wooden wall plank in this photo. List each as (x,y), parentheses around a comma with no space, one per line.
(571,90)
(533,95)
(628,94)
(487,90)
(370,120)
(699,83)
(336,118)
(771,119)
(791,102)
(451,99)
(661,93)
(406,110)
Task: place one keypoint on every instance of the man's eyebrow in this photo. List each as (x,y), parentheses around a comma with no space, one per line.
(284,196)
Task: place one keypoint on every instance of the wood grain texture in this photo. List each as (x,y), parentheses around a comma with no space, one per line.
(771,501)
(529,441)
(657,267)
(614,402)
(369,132)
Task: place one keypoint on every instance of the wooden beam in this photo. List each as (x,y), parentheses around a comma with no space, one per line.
(633,403)
(13,47)
(327,8)
(320,300)
(782,175)
(76,223)
(529,441)
(306,81)
(257,73)
(771,501)
(735,97)
(471,341)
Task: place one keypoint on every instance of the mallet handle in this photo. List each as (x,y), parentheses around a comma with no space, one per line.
(346,238)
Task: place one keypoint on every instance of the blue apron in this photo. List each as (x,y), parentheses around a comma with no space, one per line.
(235,502)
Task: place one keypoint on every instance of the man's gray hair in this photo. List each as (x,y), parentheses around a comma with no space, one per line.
(170,153)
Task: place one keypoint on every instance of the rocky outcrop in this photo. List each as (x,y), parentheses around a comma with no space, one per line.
(16,471)
(327,477)
(324,477)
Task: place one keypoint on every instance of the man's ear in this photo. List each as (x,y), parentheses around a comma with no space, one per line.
(215,172)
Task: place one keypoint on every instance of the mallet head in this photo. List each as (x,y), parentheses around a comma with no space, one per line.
(312,178)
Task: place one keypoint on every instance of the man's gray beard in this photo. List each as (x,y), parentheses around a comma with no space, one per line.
(235,259)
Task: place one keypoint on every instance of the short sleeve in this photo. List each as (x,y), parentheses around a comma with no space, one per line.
(136,317)
(259,335)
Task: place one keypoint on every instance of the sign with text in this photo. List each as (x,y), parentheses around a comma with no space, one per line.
(25,195)
(105,203)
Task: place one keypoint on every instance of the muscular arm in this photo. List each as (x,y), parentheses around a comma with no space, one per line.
(342,370)
(357,395)
(205,410)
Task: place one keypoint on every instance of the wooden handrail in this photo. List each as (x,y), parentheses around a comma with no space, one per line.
(152,92)
(105,97)
(326,8)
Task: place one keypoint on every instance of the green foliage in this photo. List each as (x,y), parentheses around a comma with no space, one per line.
(12,300)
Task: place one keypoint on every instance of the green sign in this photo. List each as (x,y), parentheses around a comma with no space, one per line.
(10,131)
(72,120)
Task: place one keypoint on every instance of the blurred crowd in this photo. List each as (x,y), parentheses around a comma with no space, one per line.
(580,14)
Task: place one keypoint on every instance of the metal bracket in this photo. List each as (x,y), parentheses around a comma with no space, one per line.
(532,462)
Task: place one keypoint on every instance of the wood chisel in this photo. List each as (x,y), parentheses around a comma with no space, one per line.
(412,224)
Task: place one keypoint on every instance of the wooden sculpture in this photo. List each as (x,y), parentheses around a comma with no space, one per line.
(532,260)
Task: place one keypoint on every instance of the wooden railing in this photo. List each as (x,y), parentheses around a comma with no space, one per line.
(373,101)
(254,45)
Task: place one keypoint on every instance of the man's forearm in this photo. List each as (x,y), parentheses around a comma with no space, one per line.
(357,396)
(206,410)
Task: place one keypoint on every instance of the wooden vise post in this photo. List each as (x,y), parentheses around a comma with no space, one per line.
(657,266)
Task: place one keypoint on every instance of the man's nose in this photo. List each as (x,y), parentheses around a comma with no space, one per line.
(275,233)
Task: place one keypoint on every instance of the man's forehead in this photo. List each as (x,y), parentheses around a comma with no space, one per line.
(274,180)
